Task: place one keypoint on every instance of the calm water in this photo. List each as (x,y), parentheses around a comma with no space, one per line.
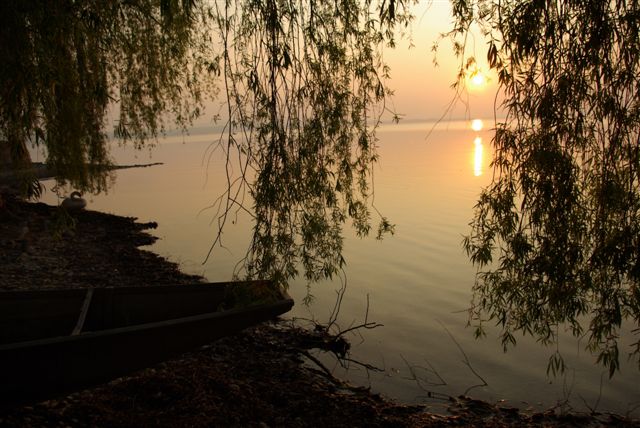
(417,282)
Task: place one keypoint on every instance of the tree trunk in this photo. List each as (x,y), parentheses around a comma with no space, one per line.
(16,175)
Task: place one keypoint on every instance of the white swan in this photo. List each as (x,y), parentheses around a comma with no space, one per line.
(74,202)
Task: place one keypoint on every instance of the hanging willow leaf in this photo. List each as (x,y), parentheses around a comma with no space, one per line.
(67,63)
(557,233)
(306,93)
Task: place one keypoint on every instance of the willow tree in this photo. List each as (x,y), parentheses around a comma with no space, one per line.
(557,233)
(305,84)
(66,63)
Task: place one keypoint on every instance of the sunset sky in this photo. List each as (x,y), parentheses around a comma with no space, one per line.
(422,90)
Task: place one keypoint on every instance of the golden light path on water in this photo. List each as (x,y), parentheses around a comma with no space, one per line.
(477,125)
(477,157)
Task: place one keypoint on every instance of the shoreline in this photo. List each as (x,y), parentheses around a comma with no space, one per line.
(259,377)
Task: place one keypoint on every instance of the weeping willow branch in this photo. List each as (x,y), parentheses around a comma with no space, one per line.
(557,232)
(69,64)
(305,87)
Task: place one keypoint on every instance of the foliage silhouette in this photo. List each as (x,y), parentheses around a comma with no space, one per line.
(66,63)
(305,84)
(557,234)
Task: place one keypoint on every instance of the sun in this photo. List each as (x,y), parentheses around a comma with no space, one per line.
(478,80)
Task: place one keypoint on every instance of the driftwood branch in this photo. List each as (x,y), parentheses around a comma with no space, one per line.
(41,171)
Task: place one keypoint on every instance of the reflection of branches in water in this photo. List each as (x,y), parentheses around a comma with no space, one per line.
(563,405)
(423,382)
(329,337)
(465,361)
(593,409)
(418,380)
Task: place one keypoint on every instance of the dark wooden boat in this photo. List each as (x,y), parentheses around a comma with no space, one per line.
(58,341)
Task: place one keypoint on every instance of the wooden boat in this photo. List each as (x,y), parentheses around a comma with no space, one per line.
(58,341)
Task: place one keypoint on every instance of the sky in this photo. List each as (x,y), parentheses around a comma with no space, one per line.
(422,90)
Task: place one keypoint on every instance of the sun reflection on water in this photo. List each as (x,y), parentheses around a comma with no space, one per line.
(477,157)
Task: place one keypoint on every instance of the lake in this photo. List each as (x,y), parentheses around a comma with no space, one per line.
(417,283)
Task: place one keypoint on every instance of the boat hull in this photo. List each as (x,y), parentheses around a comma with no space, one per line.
(45,367)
